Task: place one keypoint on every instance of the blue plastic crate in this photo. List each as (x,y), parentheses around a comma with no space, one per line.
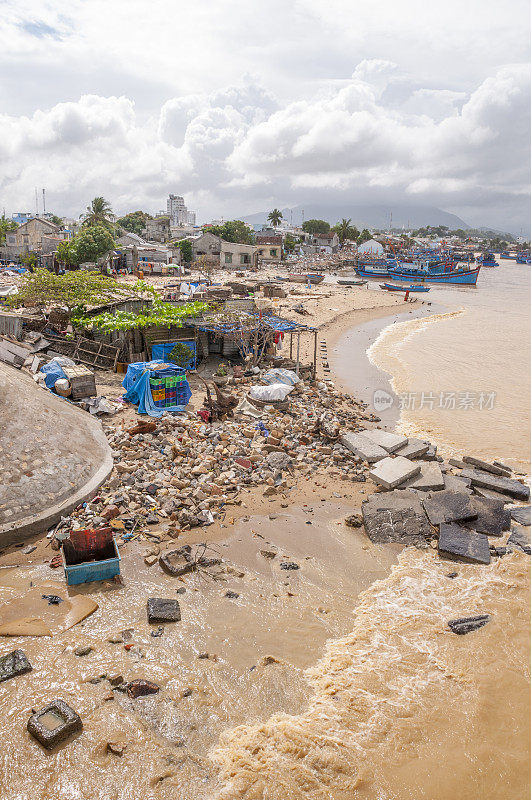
(90,571)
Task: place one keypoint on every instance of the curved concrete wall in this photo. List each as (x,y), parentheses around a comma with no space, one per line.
(52,456)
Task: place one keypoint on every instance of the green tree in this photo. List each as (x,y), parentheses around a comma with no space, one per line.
(290,243)
(364,236)
(134,222)
(274,217)
(89,244)
(316,226)
(185,246)
(29,259)
(57,220)
(66,252)
(98,213)
(6,225)
(345,230)
(234,231)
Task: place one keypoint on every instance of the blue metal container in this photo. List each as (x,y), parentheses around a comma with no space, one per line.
(90,571)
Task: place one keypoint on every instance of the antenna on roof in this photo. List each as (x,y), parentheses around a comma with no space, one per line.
(44,202)
(36,203)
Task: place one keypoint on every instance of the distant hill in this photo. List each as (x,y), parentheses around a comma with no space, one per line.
(368,216)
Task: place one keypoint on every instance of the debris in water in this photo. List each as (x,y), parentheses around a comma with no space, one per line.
(466,624)
(54,723)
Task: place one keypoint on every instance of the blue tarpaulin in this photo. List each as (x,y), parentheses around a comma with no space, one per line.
(138,388)
(52,372)
(163,351)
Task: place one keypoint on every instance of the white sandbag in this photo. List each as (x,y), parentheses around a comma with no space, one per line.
(275,391)
(280,375)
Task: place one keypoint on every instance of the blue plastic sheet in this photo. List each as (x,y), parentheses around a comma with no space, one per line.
(136,369)
(52,372)
(163,351)
(139,392)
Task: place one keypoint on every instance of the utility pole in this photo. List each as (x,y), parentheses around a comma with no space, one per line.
(36,203)
(43,202)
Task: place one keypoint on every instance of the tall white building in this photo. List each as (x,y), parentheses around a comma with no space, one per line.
(190,218)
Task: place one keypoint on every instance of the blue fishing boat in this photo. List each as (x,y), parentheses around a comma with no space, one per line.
(522,258)
(488,260)
(414,288)
(460,277)
(507,255)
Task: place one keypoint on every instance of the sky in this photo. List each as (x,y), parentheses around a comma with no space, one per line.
(242,106)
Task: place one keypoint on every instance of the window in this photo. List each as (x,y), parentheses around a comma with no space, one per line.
(244,258)
(11,239)
(273,252)
(228,258)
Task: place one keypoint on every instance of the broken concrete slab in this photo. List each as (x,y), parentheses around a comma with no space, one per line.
(490,493)
(466,624)
(415,448)
(449,506)
(396,517)
(389,441)
(363,447)
(521,514)
(163,609)
(14,663)
(520,539)
(486,467)
(456,462)
(455,483)
(463,544)
(492,516)
(54,723)
(498,483)
(430,478)
(391,472)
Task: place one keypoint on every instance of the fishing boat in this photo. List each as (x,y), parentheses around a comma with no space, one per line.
(312,277)
(350,282)
(506,254)
(522,258)
(414,288)
(460,277)
(488,260)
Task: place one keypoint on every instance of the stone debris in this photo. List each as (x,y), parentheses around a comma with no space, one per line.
(354,521)
(492,516)
(508,486)
(363,447)
(521,514)
(467,624)
(449,506)
(391,472)
(520,539)
(396,517)
(160,609)
(13,664)
(141,688)
(388,441)
(54,723)
(430,478)
(185,559)
(415,448)
(455,483)
(463,544)
(486,467)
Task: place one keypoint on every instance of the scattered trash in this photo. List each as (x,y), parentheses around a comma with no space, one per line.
(54,723)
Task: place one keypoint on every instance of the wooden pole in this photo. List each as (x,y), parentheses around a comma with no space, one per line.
(298,351)
(291,345)
(314,354)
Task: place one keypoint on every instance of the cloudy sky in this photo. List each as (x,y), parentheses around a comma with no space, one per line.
(241,106)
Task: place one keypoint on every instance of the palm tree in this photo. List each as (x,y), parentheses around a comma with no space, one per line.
(344,229)
(274,217)
(98,212)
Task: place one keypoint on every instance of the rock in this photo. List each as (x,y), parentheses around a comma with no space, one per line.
(141,688)
(150,560)
(116,748)
(391,472)
(269,491)
(279,462)
(466,624)
(396,517)
(83,651)
(157,632)
(463,544)
(456,462)
(14,663)
(54,723)
(492,516)
(289,565)
(232,595)
(243,462)
(455,483)
(497,483)
(389,441)
(110,512)
(430,478)
(522,514)
(268,553)
(354,521)
(152,519)
(490,493)
(449,507)
(415,448)
(486,467)
(29,549)
(431,453)
(363,447)
(521,540)
(115,680)
(162,609)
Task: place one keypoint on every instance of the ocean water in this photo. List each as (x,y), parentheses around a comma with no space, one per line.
(463,376)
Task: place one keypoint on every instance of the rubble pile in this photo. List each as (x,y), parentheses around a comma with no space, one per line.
(184,472)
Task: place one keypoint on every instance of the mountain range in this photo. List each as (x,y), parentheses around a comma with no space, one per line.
(367,216)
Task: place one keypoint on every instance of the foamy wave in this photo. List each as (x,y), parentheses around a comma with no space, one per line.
(375,689)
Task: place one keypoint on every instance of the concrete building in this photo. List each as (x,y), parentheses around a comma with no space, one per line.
(157,229)
(29,236)
(269,247)
(326,242)
(177,211)
(218,252)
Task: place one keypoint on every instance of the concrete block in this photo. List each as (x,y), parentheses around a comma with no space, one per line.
(520,539)
(497,483)
(430,478)
(455,483)
(492,516)
(162,609)
(415,448)
(12,664)
(448,506)
(389,441)
(54,723)
(463,544)
(363,447)
(522,515)
(486,467)
(396,517)
(391,472)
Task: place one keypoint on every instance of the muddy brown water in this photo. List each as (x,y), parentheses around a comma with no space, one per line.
(259,646)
